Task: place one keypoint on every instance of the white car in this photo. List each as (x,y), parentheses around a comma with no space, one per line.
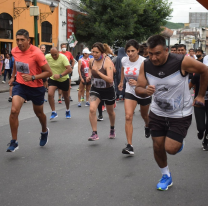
(75,74)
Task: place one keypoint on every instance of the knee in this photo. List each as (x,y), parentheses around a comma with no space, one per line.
(129,118)
(144,116)
(39,114)
(14,111)
(50,95)
(157,148)
(172,150)
(93,111)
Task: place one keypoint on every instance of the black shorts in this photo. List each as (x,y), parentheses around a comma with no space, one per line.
(142,102)
(107,95)
(64,86)
(44,80)
(85,83)
(174,128)
(35,94)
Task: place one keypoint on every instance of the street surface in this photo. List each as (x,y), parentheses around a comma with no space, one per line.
(70,171)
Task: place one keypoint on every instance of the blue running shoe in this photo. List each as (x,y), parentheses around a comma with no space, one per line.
(53,115)
(79,104)
(182,146)
(87,104)
(44,138)
(68,115)
(13,146)
(164,183)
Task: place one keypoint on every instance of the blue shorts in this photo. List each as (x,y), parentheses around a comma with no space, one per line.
(35,94)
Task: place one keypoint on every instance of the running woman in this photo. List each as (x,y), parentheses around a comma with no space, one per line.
(30,68)
(102,88)
(83,69)
(130,70)
(165,76)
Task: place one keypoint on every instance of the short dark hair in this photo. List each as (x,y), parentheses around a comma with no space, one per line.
(182,45)
(42,45)
(63,44)
(200,50)
(23,32)
(191,49)
(174,46)
(156,40)
(100,47)
(132,42)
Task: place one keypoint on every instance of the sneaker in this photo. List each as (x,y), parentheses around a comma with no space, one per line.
(164,183)
(13,146)
(182,146)
(78,89)
(114,106)
(62,98)
(70,99)
(53,115)
(103,108)
(200,135)
(44,138)
(68,115)
(87,104)
(112,134)
(147,132)
(205,143)
(93,137)
(45,100)
(10,99)
(82,99)
(128,150)
(3,82)
(59,101)
(100,118)
(79,104)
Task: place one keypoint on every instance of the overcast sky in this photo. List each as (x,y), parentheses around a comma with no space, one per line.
(181,9)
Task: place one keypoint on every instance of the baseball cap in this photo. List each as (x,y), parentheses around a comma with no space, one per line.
(86,51)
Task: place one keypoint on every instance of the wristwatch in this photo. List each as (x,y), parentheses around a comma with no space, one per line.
(33,78)
(60,75)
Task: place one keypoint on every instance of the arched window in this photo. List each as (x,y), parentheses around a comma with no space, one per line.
(6,26)
(46,31)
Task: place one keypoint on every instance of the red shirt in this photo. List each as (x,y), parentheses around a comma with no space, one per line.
(68,55)
(29,62)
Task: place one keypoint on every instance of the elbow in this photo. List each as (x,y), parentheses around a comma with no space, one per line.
(50,73)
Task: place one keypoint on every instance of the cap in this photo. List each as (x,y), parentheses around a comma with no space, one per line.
(86,51)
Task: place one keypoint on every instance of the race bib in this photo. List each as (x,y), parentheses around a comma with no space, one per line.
(165,104)
(86,70)
(22,67)
(206,96)
(99,83)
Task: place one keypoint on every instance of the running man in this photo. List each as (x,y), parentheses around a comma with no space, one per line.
(31,67)
(60,67)
(165,77)
(102,88)
(130,70)
(83,69)
(72,62)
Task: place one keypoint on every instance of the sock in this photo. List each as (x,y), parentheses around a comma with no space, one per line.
(95,132)
(112,127)
(67,110)
(44,132)
(54,111)
(165,171)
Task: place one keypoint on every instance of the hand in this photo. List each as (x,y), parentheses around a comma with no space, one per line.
(88,79)
(199,102)
(150,90)
(11,81)
(132,82)
(82,80)
(120,87)
(27,77)
(56,76)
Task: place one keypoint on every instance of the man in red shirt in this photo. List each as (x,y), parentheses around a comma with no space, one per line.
(30,67)
(72,62)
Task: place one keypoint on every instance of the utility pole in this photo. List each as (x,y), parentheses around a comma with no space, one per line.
(35,25)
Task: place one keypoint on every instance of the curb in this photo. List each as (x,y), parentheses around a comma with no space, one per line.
(4,90)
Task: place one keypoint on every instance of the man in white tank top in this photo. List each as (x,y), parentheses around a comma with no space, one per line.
(165,77)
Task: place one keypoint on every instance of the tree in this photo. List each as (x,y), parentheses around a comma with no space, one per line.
(115,21)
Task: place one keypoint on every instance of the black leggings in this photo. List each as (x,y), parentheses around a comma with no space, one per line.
(201,115)
(100,108)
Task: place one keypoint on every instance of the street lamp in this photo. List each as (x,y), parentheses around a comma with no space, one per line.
(52,7)
(18,10)
(43,16)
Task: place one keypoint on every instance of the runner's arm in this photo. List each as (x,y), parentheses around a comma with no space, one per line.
(79,69)
(13,75)
(120,86)
(73,62)
(190,65)
(141,88)
(67,71)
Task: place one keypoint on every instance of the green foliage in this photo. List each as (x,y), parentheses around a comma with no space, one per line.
(111,21)
(172,25)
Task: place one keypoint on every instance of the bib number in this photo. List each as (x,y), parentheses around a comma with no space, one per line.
(165,104)
(22,67)
(86,70)
(99,83)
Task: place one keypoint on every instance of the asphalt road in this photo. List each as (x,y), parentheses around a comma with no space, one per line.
(71,171)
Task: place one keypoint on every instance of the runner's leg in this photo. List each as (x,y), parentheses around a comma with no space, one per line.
(51,92)
(94,102)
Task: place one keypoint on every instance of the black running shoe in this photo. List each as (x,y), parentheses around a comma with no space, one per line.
(200,135)
(205,143)
(147,132)
(10,99)
(128,150)
(100,118)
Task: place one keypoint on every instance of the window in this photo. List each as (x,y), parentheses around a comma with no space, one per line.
(6,26)
(46,29)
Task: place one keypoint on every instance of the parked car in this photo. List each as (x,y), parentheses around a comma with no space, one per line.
(75,74)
